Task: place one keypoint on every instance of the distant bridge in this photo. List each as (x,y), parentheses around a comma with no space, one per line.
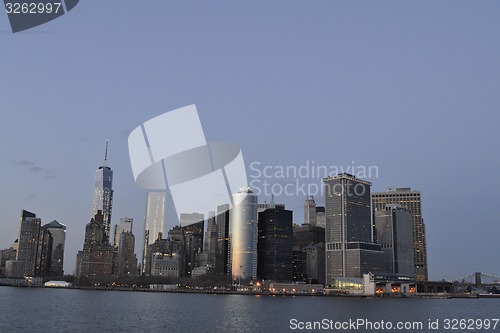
(478,279)
(478,282)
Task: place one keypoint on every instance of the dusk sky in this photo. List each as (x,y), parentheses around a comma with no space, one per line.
(410,87)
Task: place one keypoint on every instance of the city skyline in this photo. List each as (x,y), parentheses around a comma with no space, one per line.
(410,88)
(379,199)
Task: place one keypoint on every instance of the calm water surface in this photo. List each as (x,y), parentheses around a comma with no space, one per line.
(55,310)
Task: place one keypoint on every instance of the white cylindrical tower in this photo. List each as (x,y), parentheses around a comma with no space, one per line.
(243,235)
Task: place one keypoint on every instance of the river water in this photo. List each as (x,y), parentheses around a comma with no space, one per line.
(61,310)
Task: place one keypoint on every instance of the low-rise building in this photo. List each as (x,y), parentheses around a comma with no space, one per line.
(295,289)
(166,265)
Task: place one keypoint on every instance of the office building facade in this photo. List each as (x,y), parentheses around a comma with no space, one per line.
(29,233)
(56,262)
(307,234)
(167,257)
(193,239)
(154,223)
(315,263)
(34,246)
(320,217)
(210,245)
(222,258)
(411,200)
(350,251)
(394,228)
(125,225)
(275,245)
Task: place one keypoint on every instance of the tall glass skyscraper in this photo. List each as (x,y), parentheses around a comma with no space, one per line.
(394,229)
(58,232)
(35,243)
(29,234)
(409,199)
(350,251)
(243,228)
(154,224)
(103,193)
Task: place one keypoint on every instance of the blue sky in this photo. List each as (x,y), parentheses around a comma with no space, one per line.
(411,87)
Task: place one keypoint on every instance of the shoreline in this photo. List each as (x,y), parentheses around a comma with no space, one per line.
(234,292)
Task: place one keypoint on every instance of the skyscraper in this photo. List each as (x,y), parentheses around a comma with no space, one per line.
(193,237)
(394,229)
(310,211)
(127,260)
(243,235)
(154,226)
(125,225)
(350,251)
(222,258)
(299,266)
(307,234)
(35,246)
(58,232)
(103,193)
(29,235)
(95,262)
(206,260)
(315,263)
(44,252)
(320,217)
(310,240)
(210,246)
(275,245)
(263,206)
(409,199)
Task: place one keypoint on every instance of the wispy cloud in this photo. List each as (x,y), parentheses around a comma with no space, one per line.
(33,167)
(24,162)
(49,175)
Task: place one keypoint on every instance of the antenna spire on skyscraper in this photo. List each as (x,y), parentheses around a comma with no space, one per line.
(106,154)
(272,204)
